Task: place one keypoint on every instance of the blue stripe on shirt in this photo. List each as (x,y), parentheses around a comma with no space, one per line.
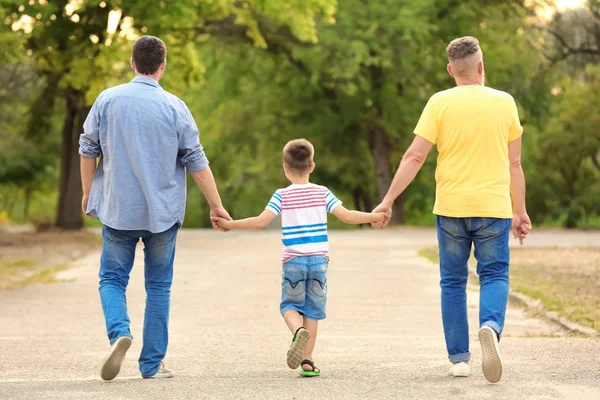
(305,240)
(274,206)
(285,228)
(331,203)
(305,231)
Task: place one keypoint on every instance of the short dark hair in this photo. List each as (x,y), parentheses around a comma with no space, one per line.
(148,53)
(298,155)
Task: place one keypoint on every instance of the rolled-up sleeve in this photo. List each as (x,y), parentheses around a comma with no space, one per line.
(190,150)
(89,141)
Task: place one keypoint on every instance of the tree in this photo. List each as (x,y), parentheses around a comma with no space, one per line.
(365,82)
(74,45)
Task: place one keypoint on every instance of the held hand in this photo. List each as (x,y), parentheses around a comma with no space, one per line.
(219,213)
(387,211)
(221,223)
(521,226)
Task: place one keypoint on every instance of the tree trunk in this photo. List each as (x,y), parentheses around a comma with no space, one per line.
(380,149)
(27,202)
(68,214)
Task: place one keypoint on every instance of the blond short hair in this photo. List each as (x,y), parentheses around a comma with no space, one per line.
(298,155)
(462,48)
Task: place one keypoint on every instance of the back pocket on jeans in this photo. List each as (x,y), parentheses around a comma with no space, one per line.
(293,283)
(448,224)
(317,281)
(495,226)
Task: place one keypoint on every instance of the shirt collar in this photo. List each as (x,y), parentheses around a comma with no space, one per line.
(146,80)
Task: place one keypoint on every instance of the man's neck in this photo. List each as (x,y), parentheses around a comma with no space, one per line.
(155,76)
(469,82)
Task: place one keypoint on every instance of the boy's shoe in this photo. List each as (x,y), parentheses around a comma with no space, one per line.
(461,369)
(492,363)
(296,352)
(112,365)
(307,373)
(162,372)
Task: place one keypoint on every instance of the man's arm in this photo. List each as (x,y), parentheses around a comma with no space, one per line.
(521,222)
(411,163)
(357,217)
(88,170)
(206,182)
(89,150)
(193,158)
(258,222)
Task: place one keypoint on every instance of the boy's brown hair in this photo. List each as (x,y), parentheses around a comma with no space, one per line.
(298,155)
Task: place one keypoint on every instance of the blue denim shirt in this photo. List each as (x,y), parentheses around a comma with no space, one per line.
(146,138)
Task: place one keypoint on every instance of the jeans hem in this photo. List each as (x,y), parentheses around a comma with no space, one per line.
(302,312)
(495,326)
(456,358)
(152,374)
(119,337)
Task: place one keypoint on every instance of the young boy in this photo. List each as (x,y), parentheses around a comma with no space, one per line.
(303,207)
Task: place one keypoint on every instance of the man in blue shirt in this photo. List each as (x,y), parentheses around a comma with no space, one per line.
(146,139)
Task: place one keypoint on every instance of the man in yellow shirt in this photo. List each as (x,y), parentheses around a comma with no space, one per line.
(480,193)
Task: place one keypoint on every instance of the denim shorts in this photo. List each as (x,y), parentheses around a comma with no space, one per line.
(304,286)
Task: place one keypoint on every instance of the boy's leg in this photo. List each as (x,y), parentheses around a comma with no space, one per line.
(292,305)
(455,249)
(293,320)
(311,326)
(159,254)
(316,300)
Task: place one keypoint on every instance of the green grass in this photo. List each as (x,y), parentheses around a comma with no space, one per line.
(18,264)
(431,253)
(44,276)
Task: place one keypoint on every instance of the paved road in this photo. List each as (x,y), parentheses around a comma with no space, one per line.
(382,339)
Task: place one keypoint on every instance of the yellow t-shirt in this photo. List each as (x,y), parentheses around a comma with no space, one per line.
(471,126)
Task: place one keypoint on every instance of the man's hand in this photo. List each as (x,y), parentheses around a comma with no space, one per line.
(84,204)
(521,226)
(387,210)
(215,214)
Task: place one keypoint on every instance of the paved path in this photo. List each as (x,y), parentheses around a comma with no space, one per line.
(382,339)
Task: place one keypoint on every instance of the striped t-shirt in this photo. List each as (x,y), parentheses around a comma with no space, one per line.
(303,211)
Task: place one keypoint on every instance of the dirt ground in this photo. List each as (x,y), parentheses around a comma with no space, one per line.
(34,257)
(382,339)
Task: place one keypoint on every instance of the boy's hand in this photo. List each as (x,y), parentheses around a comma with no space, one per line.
(386,209)
(379,216)
(222,223)
(219,213)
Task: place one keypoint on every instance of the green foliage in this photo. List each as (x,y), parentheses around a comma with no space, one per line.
(258,73)
(567,155)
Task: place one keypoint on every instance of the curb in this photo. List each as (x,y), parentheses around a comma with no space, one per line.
(551,315)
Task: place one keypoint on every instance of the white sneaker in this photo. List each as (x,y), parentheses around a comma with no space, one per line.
(461,369)
(162,372)
(112,364)
(492,363)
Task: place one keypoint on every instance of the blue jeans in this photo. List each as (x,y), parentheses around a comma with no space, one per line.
(490,238)
(304,286)
(118,252)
